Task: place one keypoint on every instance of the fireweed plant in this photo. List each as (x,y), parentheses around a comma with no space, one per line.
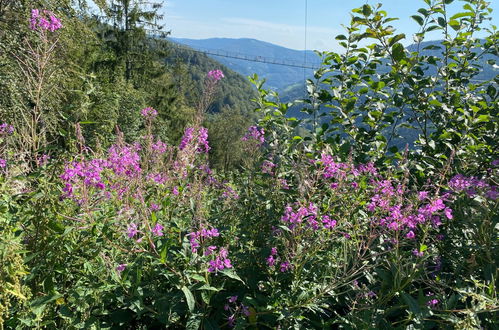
(317,230)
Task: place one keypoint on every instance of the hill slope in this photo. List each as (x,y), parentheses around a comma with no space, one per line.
(277,76)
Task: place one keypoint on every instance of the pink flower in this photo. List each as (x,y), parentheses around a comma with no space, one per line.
(410,235)
(271,261)
(149,113)
(216,75)
(328,222)
(132,230)
(121,267)
(44,20)
(158,230)
(285,266)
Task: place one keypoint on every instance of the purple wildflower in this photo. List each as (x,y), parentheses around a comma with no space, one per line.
(132,230)
(158,230)
(285,266)
(255,133)
(149,113)
(410,235)
(215,75)
(267,167)
(121,267)
(328,222)
(44,20)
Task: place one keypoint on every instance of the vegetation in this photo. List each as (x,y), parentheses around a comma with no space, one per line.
(133,194)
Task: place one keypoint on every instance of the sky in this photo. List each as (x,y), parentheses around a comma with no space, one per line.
(282,22)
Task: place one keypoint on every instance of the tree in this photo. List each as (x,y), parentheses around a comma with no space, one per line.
(125,32)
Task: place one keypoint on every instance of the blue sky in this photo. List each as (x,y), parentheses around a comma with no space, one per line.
(282,22)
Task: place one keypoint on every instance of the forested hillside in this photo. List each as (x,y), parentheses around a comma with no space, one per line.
(101,80)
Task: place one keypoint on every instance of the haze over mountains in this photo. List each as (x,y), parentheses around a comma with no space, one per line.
(288,80)
(278,76)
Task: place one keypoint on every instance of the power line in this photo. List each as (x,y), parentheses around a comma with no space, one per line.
(247,57)
(260,59)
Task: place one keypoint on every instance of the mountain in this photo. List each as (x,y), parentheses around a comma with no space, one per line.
(236,90)
(277,76)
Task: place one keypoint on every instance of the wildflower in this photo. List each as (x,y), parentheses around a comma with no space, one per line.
(149,113)
(245,310)
(328,222)
(273,251)
(44,20)
(154,207)
(448,213)
(160,147)
(132,230)
(255,133)
(121,267)
(267,167)
(158,230)
(210,250)
(6,129)
(270,261)
(432,302)
(3,163)
(410,235)
(203,140)
(285,266)
(215,75)
(175,191)
(232,299)
(417,253)
(187,138)
(284,184)
(423,195)
(231,320)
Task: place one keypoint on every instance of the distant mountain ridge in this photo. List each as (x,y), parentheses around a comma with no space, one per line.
(277,76)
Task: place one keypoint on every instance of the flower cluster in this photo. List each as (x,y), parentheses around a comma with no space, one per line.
(6,129)
(196,238)
(124,162)
(44,20)
(202,145)
(255,133)
(306,215)
(268,167)
(235,309)
(220,262)
(149,113)
(273,258)
(472,185)
(216,75)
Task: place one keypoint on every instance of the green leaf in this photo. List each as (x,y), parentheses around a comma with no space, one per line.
(398,52)
(189,297)
(366,10)
(418,19)
(412,303)
(396,38)
(232,274)
(459,15)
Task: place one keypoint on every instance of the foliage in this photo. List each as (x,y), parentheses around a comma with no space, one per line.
(301,227)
